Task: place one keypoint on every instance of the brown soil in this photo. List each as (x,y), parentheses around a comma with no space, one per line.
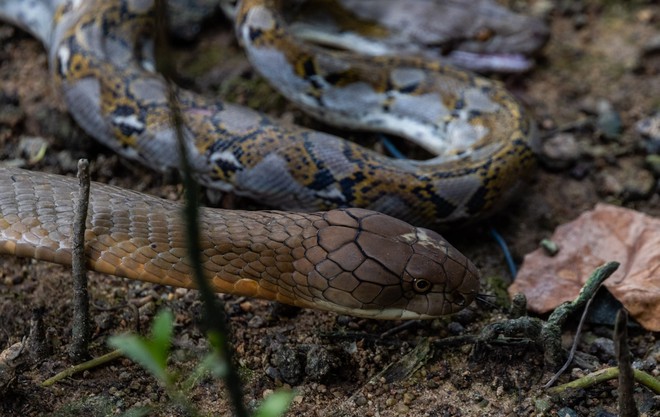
(600,50)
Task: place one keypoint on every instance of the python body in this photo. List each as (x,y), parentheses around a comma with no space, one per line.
(100,56)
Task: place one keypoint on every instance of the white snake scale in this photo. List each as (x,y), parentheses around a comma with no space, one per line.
(100,56)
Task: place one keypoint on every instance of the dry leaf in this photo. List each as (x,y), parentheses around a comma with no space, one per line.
(607,233)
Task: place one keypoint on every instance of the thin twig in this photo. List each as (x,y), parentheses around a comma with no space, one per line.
(214,314)
(627,407)
(81,326)
(93,363)
(607,374)
(399,328)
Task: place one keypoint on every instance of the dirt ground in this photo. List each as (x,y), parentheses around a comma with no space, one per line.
(602,53)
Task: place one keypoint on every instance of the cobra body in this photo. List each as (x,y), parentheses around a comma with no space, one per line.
(350,261)
(100,57)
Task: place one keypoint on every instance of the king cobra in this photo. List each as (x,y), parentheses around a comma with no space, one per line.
(353,261)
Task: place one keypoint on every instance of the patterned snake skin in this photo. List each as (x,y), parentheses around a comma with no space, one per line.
(100,54)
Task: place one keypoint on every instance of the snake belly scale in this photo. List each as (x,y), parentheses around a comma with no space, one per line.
(100,54)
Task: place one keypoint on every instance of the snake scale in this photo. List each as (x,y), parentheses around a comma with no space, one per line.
(352,261)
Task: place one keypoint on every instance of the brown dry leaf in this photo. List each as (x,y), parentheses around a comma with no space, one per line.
(607,233)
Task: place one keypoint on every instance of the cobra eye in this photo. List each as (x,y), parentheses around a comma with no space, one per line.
(421,286)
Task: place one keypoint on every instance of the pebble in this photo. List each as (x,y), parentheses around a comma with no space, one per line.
(542,405)
(320,362)
(246,306)
(256,322)
(290,365)
(608,121)
(267,393)
(361,400)
(649,129)
(272,373)
(567,412)
(640,186)
(560,151)
(104,320)
(148,309)
(408,398)
(603,348)
(628,182)
(455,328)
(551,248)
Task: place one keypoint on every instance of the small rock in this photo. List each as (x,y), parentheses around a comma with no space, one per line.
(608,184)
(320,362)
(290,365)
(455,328)
(567,412)
(361,400)
(148,309)
(603,348)
(639,186)
(627,182)
(608,121)
(542,405)
(402,409)
(104,320)
(649,128)
(465,316)
(560,151)
(256,322)
(267,393)
(272,373)
(550,247)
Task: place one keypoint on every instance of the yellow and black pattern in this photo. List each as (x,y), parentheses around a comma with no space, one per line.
(100,56)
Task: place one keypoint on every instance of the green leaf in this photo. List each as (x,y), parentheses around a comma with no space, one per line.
(161,335)
(275,405)
(138,350)
(151,353)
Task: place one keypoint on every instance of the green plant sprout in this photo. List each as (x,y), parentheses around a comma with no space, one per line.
(152,352)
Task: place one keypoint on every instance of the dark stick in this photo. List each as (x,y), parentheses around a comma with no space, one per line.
(627,407)
(81,327)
